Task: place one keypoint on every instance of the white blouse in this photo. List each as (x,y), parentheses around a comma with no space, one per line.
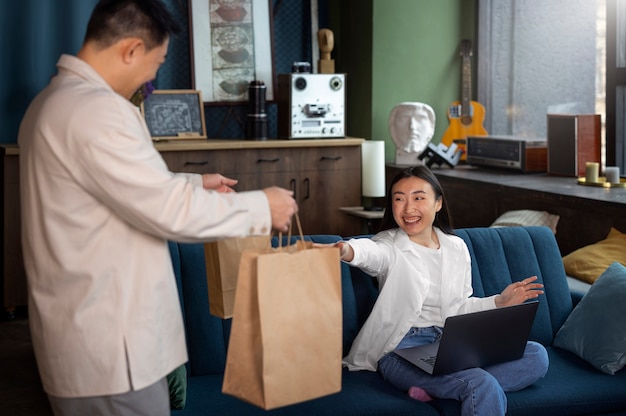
(404,285)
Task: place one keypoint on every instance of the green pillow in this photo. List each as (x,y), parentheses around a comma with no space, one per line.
(596,328)
(177,382)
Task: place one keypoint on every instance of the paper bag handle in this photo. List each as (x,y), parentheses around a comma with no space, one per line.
(280,234)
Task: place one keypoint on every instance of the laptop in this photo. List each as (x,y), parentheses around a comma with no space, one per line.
(476,339)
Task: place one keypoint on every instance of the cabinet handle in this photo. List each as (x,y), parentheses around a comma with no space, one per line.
(335,158)
(206,162)
(307,182)
(293,187)
(276,159)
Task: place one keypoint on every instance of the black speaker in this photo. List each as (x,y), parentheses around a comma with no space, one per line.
(573,140)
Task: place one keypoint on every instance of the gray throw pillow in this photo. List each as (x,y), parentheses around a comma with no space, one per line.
(596,328)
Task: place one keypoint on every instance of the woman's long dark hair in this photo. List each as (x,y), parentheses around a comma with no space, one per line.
(443,220)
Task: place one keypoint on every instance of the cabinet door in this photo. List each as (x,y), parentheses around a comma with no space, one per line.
(330,178)
(230,162)
(322,179)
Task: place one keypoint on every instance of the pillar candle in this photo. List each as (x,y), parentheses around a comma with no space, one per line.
(373,168)
(591,171)
(612,174)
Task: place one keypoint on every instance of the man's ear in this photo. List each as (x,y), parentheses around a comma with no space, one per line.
(130,48)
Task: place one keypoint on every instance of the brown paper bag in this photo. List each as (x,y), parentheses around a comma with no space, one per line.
(285,343)
(222,267)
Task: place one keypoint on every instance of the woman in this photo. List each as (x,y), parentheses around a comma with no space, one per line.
(424,275)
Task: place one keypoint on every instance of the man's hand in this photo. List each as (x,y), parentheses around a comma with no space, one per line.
(282,207)
(217,182)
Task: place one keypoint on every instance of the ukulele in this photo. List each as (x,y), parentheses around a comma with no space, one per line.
(466,117)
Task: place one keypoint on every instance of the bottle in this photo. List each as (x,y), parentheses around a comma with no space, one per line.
(256,123)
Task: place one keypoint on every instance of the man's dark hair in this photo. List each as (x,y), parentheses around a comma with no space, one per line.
(443,221)
(113,20)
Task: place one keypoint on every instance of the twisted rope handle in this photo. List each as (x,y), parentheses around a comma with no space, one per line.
(280,234)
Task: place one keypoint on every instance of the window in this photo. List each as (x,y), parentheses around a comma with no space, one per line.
(539,57)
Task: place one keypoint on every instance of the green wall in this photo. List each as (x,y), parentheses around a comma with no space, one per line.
(400,50)
(351,22)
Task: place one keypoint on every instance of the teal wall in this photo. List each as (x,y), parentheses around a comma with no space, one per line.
(33,33)
(400,50)
(391,51)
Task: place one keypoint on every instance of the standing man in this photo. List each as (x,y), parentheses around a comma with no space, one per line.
(98,204)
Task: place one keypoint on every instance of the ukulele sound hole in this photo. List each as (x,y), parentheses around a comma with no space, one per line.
(466,120)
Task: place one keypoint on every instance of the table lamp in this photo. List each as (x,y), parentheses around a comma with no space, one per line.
(373,172)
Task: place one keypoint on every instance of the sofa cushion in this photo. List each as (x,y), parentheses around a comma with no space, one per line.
(206,334)
(501,256)
(363,393)
(589,262)
(571,387)
(596,328)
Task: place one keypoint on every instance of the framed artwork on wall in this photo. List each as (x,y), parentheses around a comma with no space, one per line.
(231,45)
(174,114)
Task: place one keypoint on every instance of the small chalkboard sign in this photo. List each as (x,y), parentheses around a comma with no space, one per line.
(175,114)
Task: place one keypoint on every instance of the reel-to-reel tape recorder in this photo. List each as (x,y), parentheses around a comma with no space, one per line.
(311,105)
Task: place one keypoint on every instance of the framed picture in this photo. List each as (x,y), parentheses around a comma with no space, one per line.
(231,45)
(175,114)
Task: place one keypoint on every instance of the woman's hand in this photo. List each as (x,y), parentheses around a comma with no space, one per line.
(217,182)
(345,251)
(519,292)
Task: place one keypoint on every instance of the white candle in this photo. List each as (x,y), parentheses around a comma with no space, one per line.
(373,168)
(612,174)
(591,171)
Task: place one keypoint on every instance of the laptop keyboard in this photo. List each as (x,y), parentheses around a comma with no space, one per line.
(429,360)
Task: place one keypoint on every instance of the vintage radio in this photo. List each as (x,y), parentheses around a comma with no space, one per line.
(311,105)
(520,153)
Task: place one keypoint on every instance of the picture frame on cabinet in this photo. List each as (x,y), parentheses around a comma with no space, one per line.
(231,45)
(174,114)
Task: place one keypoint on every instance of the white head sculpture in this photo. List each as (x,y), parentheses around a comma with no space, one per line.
(412,126)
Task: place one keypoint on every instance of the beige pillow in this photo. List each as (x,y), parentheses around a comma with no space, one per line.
(527,217)
(589,262)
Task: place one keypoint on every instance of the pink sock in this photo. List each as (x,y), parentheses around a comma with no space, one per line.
(419,394)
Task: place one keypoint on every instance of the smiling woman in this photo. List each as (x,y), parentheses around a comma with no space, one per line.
(415,206)
(422,181)
(424,277)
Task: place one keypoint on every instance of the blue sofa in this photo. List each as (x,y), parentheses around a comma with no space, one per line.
(499,256)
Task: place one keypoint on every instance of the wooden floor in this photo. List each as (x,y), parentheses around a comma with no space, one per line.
(21,393)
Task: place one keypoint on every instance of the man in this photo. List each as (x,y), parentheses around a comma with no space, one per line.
(98,206)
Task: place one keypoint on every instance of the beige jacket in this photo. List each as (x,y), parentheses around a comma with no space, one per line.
(98,204)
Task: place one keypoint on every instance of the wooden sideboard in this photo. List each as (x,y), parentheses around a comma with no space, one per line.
(477,196)
(324,174)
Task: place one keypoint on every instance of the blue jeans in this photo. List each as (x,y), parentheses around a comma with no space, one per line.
(480,390)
